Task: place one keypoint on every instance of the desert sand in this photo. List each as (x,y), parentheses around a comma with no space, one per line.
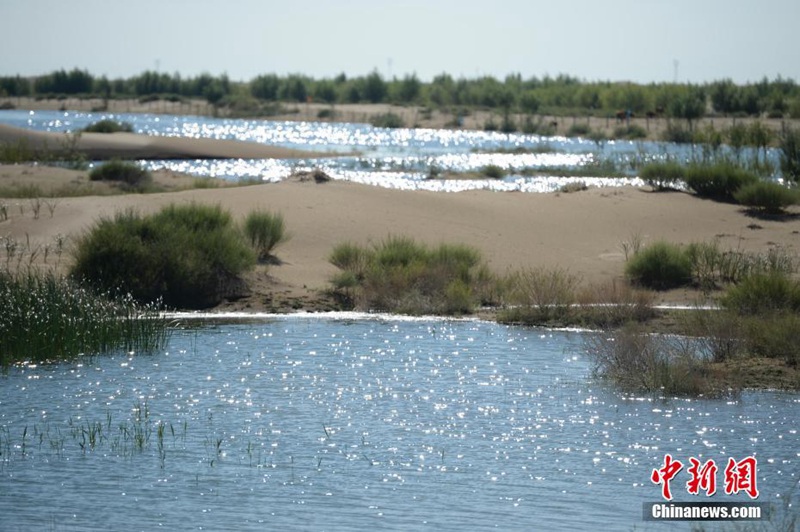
(582,232)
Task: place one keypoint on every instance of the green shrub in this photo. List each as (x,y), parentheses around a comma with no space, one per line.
(265,231)
(661,266)
(388,120)
(774,336)
(632,132)
(126,173)
(767,196)
(493,171)
(763,293)
(663,175)
(401,275)
(579,130)
(677,134)
(789,144)
(190,256)
(718,181)
(47,318)
(109,126)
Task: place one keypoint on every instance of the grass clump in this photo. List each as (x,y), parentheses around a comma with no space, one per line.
(264,230)
(109,126)
(767,197)
(631,132)
(402,275)
(663,175)
(189,256)
(127,174)
(660,266)
(719,181)
(48,318)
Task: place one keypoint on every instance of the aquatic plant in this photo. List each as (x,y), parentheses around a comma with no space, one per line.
(637,362)
(188,256)
(48,318)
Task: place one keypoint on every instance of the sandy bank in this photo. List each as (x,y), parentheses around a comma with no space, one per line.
(101,146)
(581,231)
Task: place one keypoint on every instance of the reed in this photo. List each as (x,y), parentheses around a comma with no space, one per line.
(47,318)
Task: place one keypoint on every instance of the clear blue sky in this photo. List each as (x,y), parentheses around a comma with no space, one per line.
(617,40)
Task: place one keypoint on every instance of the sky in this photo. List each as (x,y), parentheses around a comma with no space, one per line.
(641,41)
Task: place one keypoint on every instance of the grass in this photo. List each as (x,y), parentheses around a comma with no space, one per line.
(265,230)
(404,276)
(189,256)
(47,318)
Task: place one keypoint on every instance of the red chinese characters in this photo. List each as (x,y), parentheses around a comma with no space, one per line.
(739,476)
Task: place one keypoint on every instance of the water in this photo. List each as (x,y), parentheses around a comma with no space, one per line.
(342,424)
(394,158)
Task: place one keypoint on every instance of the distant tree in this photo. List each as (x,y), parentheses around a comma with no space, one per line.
(374,88)
(265,87)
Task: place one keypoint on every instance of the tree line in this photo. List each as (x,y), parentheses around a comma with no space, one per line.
(561,95)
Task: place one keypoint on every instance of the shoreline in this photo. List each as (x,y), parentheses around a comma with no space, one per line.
(413,116)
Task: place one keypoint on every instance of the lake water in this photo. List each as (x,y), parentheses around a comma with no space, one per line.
(350,423)
(395,158)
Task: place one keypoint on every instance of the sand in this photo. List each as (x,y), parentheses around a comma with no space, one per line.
(581,231)
(102,146)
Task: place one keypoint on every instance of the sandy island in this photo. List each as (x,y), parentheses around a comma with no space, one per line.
(580,231)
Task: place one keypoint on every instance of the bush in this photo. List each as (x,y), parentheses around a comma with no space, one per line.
(663,175)
(540,295)
(493,171)
(190,256)
(401,275)
(109,126)
(718,181)
(632,132)
(661,266)
(638,362)
(789,144)
(766,196)
(128,174)
(579,130)
(614,304)
(388,120)
(47,318)
(774,336)
(677,134)
(763,293)
(265,231)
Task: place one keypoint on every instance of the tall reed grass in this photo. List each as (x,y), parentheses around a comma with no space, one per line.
(46,318)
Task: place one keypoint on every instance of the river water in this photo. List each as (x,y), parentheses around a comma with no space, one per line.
(394,158)
(355,422)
